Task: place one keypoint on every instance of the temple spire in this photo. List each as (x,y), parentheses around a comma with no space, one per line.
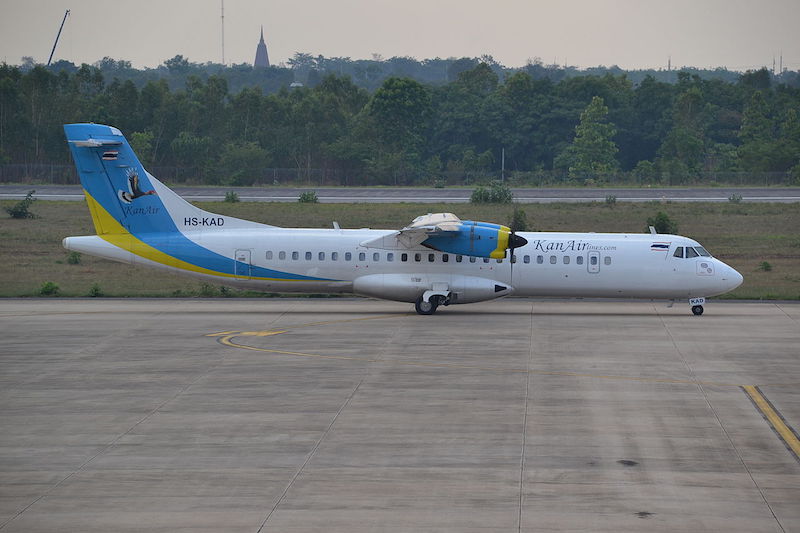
(262,57)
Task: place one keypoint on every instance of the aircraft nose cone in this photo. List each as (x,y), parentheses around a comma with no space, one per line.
(732,278)
(736,279)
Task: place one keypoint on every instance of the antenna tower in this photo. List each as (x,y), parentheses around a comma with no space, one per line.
(222,16)
(53,51)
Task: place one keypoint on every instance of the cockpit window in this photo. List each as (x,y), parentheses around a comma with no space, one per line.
(702,251)
(678,251)
(690,252)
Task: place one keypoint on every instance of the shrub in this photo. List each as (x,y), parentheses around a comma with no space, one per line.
(49,288)
(611,200)
(519,220)
(74,258)
(231,197)
(735,198)
(496,193)
(765,266)
(95,291)
(207,291)
(308,197)
(662,223)
(21,209)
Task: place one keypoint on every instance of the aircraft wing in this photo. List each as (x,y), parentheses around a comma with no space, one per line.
(420,230)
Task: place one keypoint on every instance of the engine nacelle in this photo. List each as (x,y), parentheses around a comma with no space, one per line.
(479,239)
(409,287)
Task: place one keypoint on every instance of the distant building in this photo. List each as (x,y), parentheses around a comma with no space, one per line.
(262,58)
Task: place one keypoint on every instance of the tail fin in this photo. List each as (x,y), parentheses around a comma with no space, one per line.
(123,197)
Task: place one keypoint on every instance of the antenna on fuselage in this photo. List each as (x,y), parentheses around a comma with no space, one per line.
(653,230)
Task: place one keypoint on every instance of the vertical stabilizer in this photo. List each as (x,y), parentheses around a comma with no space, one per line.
(123,197)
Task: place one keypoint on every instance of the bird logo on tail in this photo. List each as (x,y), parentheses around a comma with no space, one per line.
(133,191)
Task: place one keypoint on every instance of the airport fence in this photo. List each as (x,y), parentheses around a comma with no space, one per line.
(55,174)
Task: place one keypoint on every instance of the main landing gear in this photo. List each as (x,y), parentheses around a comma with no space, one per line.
(697,310)
(428,308)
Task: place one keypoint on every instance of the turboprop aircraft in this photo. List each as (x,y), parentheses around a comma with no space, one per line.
(436,260)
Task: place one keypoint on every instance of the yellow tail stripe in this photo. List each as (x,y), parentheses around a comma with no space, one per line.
(114,233)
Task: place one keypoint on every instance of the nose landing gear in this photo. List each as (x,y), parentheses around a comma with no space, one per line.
(697,305)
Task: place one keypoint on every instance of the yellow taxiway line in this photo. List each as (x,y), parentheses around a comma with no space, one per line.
(775,420)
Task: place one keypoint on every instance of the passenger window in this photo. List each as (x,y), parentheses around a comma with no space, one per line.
(334,256)
(404,257)
(269,255)
(607,260)
(459,258)
(485,259)
(308,256)
(281,255)
(362,256)
(431,257)
(526,259)
(566,259)
(348,256)
(579,260)
(472,259)
(295,256)
(322,256)
(376,257)
(499,261)
(593,260)
(553,260)
(390,257)
(539,259)
(678,251)
(417,257)
(445,258)
(690,252)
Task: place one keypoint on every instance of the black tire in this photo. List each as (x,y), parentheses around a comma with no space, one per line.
(697,310)
(426,308)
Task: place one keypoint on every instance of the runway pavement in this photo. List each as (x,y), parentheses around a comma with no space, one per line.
(359,415)
(433,195)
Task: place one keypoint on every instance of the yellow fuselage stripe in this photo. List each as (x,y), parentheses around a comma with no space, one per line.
(114,233)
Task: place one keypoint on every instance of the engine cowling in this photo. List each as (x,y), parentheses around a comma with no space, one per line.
(479,239)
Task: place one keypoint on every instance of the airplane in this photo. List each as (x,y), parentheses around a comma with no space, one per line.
(435,261)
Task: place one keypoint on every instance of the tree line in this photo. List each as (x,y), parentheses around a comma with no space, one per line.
(582,129)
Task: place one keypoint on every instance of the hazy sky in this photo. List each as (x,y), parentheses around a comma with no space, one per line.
(738,34)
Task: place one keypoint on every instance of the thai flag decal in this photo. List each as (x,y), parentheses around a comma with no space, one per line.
(110,155)
(659,246)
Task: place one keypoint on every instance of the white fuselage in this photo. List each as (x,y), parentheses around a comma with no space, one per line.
(551,264)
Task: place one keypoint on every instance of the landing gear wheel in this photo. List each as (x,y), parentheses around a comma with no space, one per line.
(426,308)
(697,310)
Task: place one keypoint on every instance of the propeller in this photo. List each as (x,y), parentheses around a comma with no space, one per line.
(515,241)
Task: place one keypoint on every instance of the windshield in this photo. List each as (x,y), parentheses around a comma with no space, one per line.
(702,251)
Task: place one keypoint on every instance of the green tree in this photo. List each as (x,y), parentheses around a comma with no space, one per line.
(592,152)
(401,109)
(683,150)
(242,164)
(142,144)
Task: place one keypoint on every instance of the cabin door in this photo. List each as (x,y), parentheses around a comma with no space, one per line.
(241,264)
(593,262)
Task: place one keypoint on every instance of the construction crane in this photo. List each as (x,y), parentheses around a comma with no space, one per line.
(53,51)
